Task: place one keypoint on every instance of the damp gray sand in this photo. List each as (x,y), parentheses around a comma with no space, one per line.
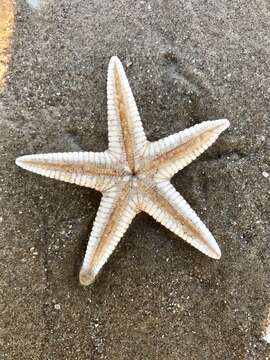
(157,297)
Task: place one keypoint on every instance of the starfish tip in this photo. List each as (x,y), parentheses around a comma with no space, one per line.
(86,277)
(224,124)
(19,161)
(115,59)
(216,254)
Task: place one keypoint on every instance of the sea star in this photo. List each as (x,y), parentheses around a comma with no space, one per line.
(133,176)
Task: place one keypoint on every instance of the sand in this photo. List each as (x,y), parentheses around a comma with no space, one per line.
(157,297)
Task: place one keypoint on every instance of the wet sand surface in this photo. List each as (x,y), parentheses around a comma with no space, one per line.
(157,297)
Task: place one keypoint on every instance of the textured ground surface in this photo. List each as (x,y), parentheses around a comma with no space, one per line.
(157,298)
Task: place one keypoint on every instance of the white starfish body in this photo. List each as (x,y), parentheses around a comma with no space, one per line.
(133,175)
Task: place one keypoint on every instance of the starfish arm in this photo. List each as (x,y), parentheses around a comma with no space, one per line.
(126,135)
(169,155)
(115,213)
(167,206)
(97,170)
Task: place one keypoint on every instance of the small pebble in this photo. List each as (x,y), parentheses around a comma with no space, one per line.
(265,174)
